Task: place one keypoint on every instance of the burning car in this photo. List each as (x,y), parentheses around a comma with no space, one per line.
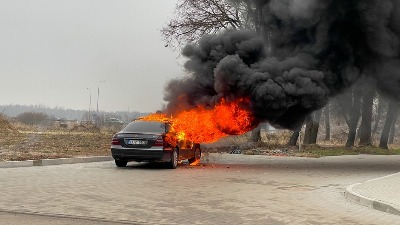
(153,141)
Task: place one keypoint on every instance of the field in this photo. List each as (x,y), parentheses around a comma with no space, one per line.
(23,142)
(275,143)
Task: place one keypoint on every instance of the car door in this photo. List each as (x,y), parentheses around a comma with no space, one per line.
(190,149)
(182,149)
(185,148)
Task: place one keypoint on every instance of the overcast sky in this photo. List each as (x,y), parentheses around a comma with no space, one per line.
(51,51)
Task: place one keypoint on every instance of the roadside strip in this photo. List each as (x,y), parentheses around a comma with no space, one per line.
(374,201)
(50,162)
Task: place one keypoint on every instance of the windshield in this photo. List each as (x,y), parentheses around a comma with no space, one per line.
(145,127)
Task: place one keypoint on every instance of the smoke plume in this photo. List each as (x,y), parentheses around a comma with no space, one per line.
(307,52)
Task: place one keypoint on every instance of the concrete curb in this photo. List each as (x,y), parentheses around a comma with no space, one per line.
(50,162)
(352,195)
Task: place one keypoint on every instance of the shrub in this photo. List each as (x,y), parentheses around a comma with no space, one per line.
(32,118)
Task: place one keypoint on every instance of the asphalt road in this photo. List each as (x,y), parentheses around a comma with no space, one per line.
(227,189)
(35,219)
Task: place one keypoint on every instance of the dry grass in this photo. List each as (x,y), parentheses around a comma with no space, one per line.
(270,143)
(275,143)
(320,151)
(21,142)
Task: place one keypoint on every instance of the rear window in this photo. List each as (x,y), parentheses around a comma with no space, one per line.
(145,127)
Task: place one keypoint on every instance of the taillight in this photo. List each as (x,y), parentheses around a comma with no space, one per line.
(115,140)
(159,141)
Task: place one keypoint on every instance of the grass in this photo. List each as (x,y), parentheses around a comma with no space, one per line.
(275,143)
(30,143)
(319,151)
(22,142)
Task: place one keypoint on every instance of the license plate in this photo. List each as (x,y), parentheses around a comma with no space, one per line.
(137,142)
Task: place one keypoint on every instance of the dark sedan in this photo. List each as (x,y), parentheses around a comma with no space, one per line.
(148,141)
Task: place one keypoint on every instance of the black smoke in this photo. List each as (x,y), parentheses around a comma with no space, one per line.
(307,52)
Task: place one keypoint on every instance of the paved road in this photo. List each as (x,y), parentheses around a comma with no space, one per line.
(227,189)
(35,219)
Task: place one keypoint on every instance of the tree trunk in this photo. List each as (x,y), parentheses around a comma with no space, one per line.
(379,114)
(393,128)
(327,123)
(388,124)
(315,127)
(256,134)
(366,120)
(308,130)
(295,136)
(351,137)
(353,120)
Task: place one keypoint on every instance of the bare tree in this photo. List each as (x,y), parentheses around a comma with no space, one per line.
(308,129)
(393,129)
(350,107)
(327,122)
(381,103)
(195,18)
(315,126)
(392,111)
(250,13)
(312,127)
(295,136)
(366,117)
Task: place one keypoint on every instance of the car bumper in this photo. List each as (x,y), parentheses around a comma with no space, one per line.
(141,154)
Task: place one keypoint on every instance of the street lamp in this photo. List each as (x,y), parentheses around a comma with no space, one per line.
(90,103)
(98,96)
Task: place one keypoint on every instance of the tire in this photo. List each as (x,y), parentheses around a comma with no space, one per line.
(121,162)
(174,159)
(197,156)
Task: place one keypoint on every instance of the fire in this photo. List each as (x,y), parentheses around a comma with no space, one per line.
(160,117)
(204,125)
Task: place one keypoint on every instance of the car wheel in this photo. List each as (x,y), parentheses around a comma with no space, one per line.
(121,163)
(197,156)
(174,159)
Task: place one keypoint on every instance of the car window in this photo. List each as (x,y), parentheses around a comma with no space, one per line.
(167,127)
(145,127)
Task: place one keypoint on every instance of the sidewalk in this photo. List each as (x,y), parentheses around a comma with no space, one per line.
(51,162)
(381,194)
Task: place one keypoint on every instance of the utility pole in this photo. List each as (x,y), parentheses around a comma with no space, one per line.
(98,96)
(90,103)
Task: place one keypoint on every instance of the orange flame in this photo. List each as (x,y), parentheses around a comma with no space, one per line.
(160,117)
(203,125)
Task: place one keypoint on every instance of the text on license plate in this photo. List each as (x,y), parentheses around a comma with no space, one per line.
(137,142)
